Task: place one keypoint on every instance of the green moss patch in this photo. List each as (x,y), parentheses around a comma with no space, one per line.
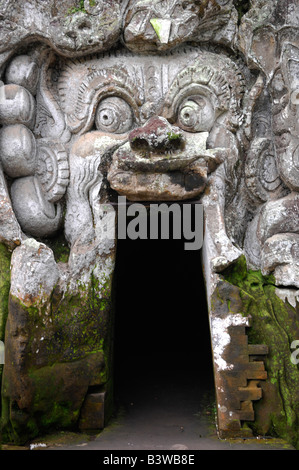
(78,8)
(5,257)
(274,323)
(65,348)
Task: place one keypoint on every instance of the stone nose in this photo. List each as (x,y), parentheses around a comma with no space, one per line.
(157,136)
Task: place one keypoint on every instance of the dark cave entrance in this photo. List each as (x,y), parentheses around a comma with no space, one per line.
(161,333)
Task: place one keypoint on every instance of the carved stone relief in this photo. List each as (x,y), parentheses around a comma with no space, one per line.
(155,101)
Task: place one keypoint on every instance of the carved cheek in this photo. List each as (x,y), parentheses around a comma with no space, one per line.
(95,143)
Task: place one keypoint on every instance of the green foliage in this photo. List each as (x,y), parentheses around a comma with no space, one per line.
(80,7)
(173,135)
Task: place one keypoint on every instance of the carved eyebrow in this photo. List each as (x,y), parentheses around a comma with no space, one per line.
(202,77)
(192,77)
(96,84)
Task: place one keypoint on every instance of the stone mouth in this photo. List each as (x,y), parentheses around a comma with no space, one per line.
(155,161)
(126,158)
(168,175)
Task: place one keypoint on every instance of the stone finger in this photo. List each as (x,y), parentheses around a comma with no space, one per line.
(37,216)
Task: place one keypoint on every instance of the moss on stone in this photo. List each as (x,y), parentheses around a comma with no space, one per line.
(242,7)
(274,323)
(156,24)
(60,248)
(79,7)
(5,257)
(68,349)
(173,136)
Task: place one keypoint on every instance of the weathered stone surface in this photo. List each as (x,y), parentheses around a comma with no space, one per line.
(274,322)
(57,345)
(37,283)
(93,412)
(35,214)
(280,256)
(10,230)
(159,25)
(5,256)
(72,28)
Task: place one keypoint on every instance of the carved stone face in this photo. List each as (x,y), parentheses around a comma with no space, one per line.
(151,127)
(167,118)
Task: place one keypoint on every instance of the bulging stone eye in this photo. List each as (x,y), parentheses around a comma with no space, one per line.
(188,114)
(114,115)
(196,114)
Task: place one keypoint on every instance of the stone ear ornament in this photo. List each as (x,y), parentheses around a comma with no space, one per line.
(52,169)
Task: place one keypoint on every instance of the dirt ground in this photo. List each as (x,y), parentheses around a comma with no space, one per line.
(166,412)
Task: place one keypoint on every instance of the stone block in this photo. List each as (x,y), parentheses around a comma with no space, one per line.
(93,412)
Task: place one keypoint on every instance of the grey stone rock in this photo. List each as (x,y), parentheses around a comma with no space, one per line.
(70,29)
(280,257)
(155,25)
(38,281)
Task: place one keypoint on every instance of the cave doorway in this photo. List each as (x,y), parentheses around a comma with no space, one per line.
(161,332)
